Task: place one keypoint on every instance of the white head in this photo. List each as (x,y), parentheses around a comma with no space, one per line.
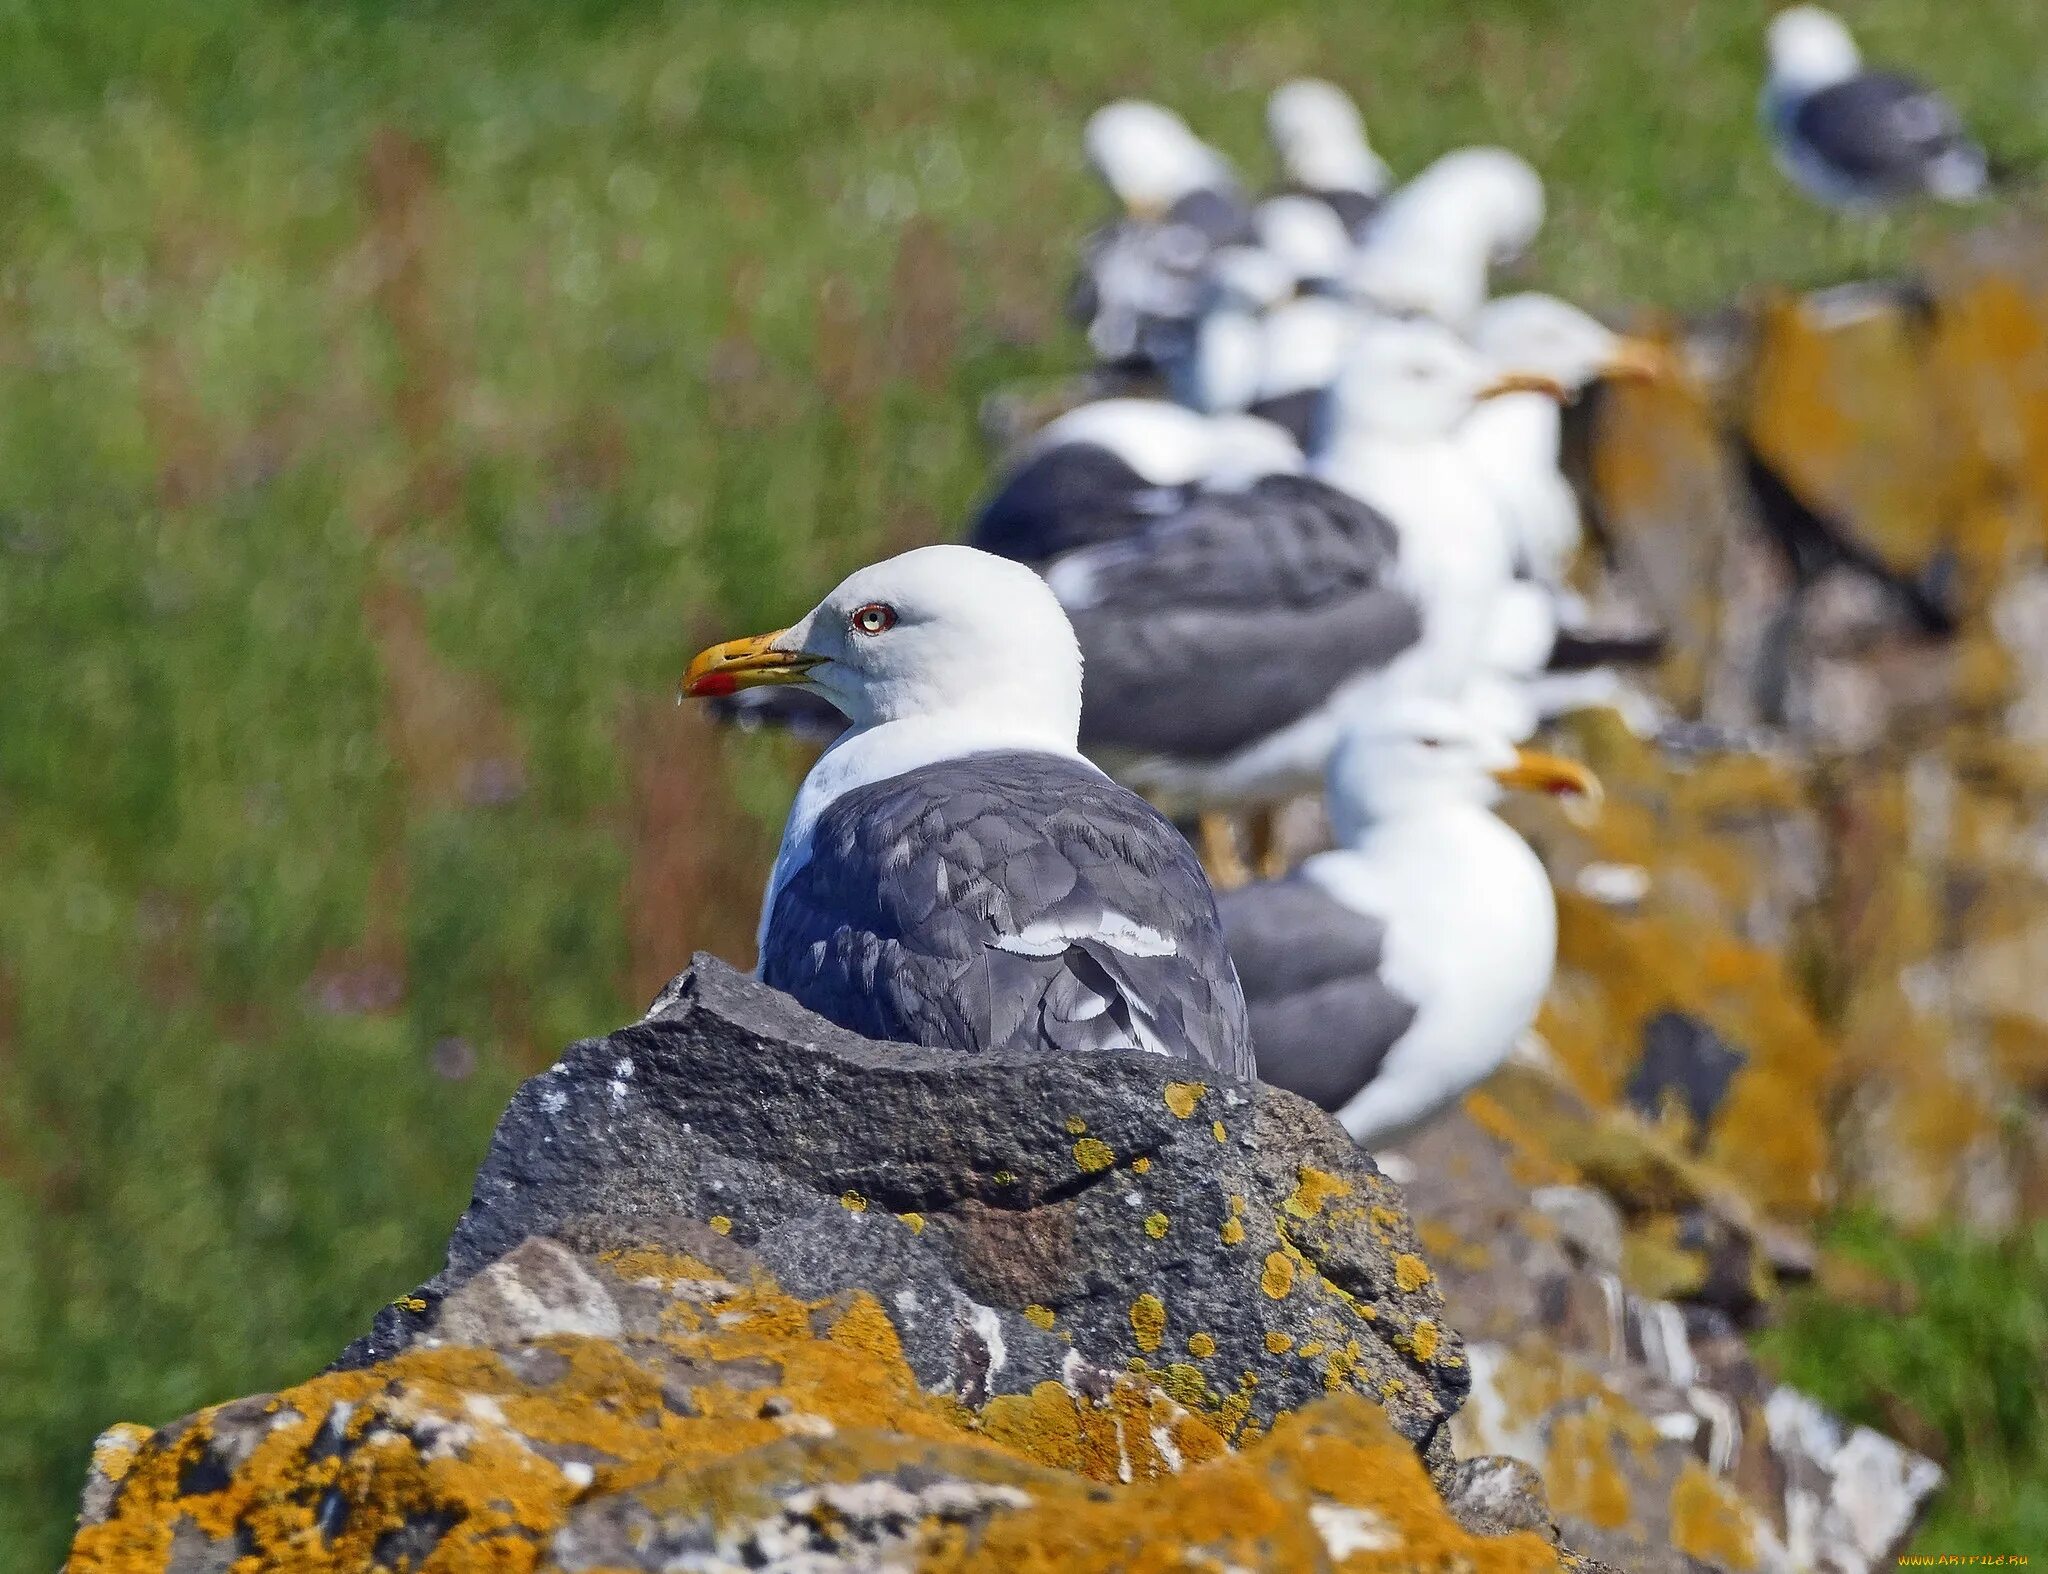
(1148,157)
(1305,235)
(1418,754)
(943,631)
(1543,336)
(1499,190)
(1410,379)
(1248,278)
(1810,49)
(1320,139)
(1431,247)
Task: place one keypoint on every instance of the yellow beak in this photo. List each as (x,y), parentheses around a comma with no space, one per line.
(1641,361)
(1526,382)
(1549,773)
(744,664)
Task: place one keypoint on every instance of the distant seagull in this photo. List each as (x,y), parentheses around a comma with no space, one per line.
(1105,470)
(1320,139)
(1858,139)
(953,872)
(1387,978)
(1432,246)
(1141,275)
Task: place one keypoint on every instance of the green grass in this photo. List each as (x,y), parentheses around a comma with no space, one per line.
(390,395)
(1950,1353)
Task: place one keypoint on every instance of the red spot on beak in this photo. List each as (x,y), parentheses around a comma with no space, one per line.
(713,684)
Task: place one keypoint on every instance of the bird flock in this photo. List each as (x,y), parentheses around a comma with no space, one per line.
(1317,537)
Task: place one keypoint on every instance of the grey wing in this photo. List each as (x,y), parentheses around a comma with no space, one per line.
(1005,902)
(1211,630)
(1323,1019)
(1883,130)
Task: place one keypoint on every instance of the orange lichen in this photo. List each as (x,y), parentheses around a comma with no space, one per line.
(853,1202)
(1155,1225)
(1278,1343)
(1411,1273)
(1216,1130)
(1278,1277)
(1182,1097)
(1581,1472)
(720,1224)
(1141,1166)
(1041,1315)
(1709,1522)
(1422,1341)
(1201,1345)
(1093,1154)
(1314,1188)
(1148,1321)
(1076,1125)
(915,1221)
(1232,1232)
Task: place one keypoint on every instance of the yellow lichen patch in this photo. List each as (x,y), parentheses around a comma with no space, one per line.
(720,1224)
(1709,1522)
(1182,1097)
(1278,1343)
(1411,1273)
(1076,1125)
(1148,1321)
(1233,1232)
(1581,1473)
(1041,1315)
(1278,1277)
(1155,1225)
(1383,1219)
(853,1202)
(1201,1345)
(410,1303)
(866,1327)
(915,1222)
(1141,1166)
(1422,1342)
(1309,1349)
(1216,1130)
(1314,1188)
(1093,1154)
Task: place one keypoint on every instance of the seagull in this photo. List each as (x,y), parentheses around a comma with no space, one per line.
(1319,138)
(1396,412)
(1432,246)
(1141,275)
(1105,469)
(1225,645)
(1388,977)
(1857,139)
(953,873)
(1516,441)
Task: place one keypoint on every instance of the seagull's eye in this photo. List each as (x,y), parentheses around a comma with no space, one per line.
(877,617)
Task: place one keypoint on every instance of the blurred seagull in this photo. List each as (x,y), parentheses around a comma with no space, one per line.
(1858,139)
(953,873)
(1388,977)
(1432,246)
(1104,470)
(1319,138)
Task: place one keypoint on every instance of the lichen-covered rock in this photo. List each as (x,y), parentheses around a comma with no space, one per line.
(1014,1215)
(666,1405)
(738,1289)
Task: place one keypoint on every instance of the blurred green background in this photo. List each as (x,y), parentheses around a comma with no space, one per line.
(391,396)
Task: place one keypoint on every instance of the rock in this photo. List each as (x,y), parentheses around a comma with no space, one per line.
(740,1290)
(1008,1213)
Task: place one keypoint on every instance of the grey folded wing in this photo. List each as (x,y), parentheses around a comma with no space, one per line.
(1881,129)
(1009,901)
(1242,613)
(1323,1018)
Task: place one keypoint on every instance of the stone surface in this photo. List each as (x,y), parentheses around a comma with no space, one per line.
(1007,1212)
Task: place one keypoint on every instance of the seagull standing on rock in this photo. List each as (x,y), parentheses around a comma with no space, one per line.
(953,872)
(1860,139)
(1390,976)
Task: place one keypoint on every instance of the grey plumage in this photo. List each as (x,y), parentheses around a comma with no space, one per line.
(964,905)
(1185,628)
(1877,137)
(1323,1019)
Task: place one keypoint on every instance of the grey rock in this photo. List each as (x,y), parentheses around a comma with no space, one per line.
(960,1191)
